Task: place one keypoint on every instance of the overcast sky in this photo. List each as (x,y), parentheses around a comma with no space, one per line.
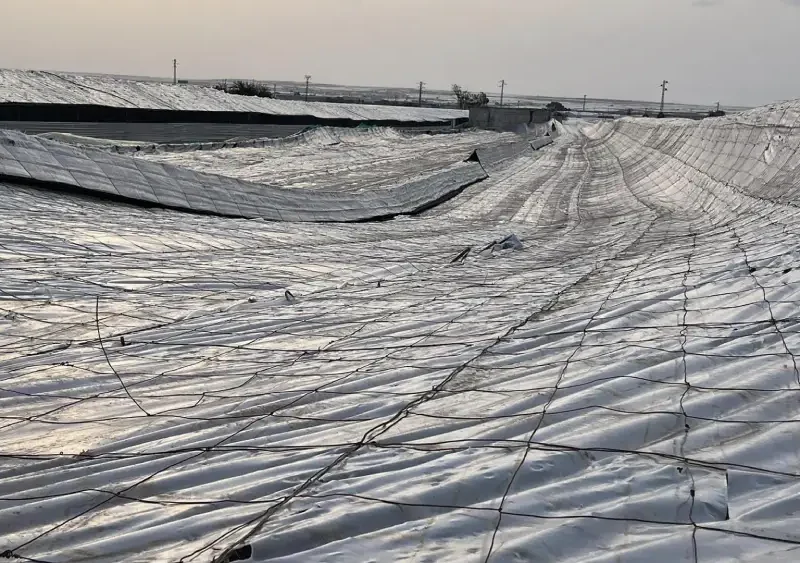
(741,52)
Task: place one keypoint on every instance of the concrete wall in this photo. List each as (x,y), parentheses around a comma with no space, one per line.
(506,118)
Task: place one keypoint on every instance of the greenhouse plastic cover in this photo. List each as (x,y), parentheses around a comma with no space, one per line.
(25,86)
(102,173)
(621,385)
(352,160)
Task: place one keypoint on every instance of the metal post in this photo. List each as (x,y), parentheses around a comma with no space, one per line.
(174,71)
(584,102)
(308,78)
(421,84)
(663,93)
(502,90)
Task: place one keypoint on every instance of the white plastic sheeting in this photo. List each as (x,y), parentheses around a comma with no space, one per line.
(104,174)
(624,387)
(54,88)
(93,133)
(352,160)
(541,142)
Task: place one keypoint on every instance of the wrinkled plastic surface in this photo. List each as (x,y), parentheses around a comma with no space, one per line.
(351,160)
(94,133)
(542,142)
(623,388)
(105,174)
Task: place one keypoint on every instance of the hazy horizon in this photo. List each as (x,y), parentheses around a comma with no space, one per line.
(738,52)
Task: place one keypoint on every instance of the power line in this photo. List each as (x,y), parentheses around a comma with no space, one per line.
(108,360)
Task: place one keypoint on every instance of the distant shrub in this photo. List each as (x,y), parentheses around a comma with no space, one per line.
(557,106)
(245,88)
(467,99)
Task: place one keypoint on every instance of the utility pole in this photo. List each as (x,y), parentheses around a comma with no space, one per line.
(174,71)
(584,102)
(502,90)
(421,84)
(717,107)
(308,78)
(663,93)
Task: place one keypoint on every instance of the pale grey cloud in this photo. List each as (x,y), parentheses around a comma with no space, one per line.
(709,3)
